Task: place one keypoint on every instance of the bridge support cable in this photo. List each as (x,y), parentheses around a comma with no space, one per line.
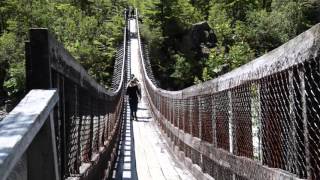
(260,121)
(143,153)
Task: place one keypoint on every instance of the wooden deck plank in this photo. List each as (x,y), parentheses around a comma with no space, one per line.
(149,156)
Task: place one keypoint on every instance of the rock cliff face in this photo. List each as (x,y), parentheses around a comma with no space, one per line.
(197,40)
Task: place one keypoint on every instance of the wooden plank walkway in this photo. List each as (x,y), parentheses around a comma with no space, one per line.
(144,154)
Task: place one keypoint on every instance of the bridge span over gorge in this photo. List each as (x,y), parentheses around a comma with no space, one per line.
(260,121)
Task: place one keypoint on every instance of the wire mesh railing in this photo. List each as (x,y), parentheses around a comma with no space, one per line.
(116,78)
(87,116)
(260,121)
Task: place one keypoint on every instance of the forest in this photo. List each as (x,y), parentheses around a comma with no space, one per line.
(90,30)
(190,41)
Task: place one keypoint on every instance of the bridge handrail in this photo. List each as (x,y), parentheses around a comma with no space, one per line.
(18,131)
(144,69)
(121,84)
(87,116)
(259,121)
(284,57)
(64,63)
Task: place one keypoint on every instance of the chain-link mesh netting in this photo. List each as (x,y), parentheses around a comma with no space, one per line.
(205,113)
(221,118)
(187,116)
(312,116)
(194,114)
(264,114)
(84,124)
(241,113)
(86,114)
(145,48)
(116,77)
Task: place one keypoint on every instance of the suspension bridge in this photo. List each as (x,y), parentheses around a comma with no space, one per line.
(259,121)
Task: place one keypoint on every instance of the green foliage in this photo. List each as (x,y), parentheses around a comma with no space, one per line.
(214,64)
(239,54)
(182,70)
(90,30)
(173,16)
(202,6)
(11,65)
(7,48)
(220,22)
(245,29)
(269,30)
(15,84)
(164,22)
(219,60)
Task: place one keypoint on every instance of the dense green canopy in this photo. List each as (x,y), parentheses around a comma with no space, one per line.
(245,29)
(90,30)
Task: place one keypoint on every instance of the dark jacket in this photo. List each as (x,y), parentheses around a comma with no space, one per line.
(134,93)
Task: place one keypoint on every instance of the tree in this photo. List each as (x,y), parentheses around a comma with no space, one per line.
(173,16)
(90,30)
(202,6)
(269,30)
(182,71)
(11,57)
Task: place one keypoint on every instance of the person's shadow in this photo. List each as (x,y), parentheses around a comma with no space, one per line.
(143,109)
(144,119)
(125,167)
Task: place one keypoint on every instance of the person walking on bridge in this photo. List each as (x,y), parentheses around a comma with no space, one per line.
(134,93)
